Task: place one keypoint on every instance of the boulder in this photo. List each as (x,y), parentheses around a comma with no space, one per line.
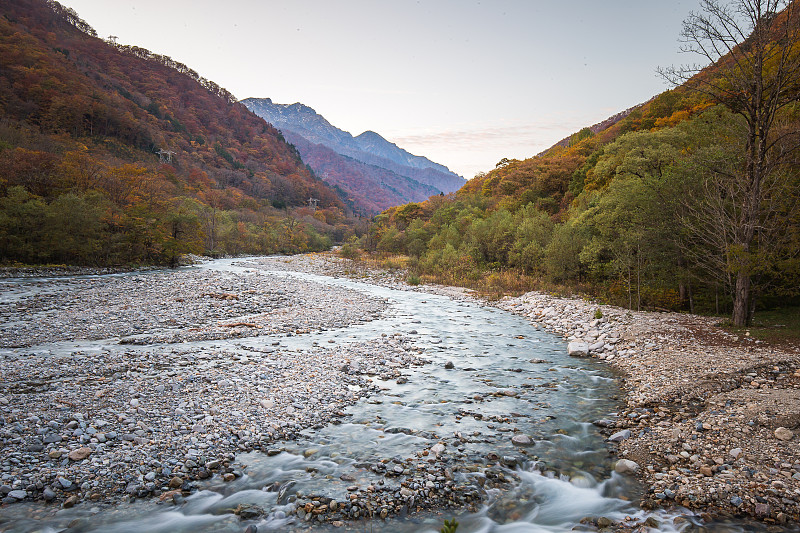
(578,348)
(783,434)
(626,466)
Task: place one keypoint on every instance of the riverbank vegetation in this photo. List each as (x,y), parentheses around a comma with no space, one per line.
(688,202)
(628,223)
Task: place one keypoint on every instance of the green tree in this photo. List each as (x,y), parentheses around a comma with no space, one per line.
(183,235)
(756,47)
(533,232)
(716,212)
(21,225)
(562,255)
(631,238)
(73,228)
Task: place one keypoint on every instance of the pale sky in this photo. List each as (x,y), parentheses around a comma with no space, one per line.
(462,82)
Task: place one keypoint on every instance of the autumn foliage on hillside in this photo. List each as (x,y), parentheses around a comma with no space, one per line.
(82,122)
(646,209)
(554,178)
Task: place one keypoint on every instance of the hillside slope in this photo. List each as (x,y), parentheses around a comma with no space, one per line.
(140,137)
(686,202)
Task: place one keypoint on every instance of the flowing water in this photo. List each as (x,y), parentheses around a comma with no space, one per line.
(508,376)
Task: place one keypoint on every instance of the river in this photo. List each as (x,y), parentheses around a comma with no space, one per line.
(492,375)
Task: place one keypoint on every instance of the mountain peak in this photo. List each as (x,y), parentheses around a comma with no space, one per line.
(299,108)
(375,155)
(369,134)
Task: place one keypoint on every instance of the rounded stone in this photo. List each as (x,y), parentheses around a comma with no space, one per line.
(522,440)
(626,466)
(80,454)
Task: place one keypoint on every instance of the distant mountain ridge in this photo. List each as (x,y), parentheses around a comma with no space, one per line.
(393,175)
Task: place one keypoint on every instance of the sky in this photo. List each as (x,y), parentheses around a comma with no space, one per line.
(462,82)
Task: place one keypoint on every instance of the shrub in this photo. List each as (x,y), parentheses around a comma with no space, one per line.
(349,251)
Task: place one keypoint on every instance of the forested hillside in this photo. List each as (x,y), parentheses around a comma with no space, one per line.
(689,201)
(110,154)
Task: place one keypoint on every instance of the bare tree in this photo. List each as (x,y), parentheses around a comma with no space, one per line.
(754,46)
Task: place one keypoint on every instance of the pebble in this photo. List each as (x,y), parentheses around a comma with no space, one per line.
(80,454)
(70,502)
(620,436)
(521,440)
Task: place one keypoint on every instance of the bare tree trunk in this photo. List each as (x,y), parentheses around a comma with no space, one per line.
(638,279)
(741,300)
(630,296)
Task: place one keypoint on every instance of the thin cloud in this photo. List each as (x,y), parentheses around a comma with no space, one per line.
(467,150)
(535,135)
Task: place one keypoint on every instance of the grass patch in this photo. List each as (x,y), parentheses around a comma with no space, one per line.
(387,261)
(780,326)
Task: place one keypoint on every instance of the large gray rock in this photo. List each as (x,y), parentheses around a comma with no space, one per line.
(783,434)
(578,348)
(626,466)
(597,346)
(620,435)
(522,440)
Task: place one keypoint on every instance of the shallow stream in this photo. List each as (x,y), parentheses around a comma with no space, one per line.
(508,378)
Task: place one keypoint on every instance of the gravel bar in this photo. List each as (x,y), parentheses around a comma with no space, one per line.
(117,386)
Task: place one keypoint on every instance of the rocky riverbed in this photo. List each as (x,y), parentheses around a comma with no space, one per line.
(127,385)
(99,401)
(712,420)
